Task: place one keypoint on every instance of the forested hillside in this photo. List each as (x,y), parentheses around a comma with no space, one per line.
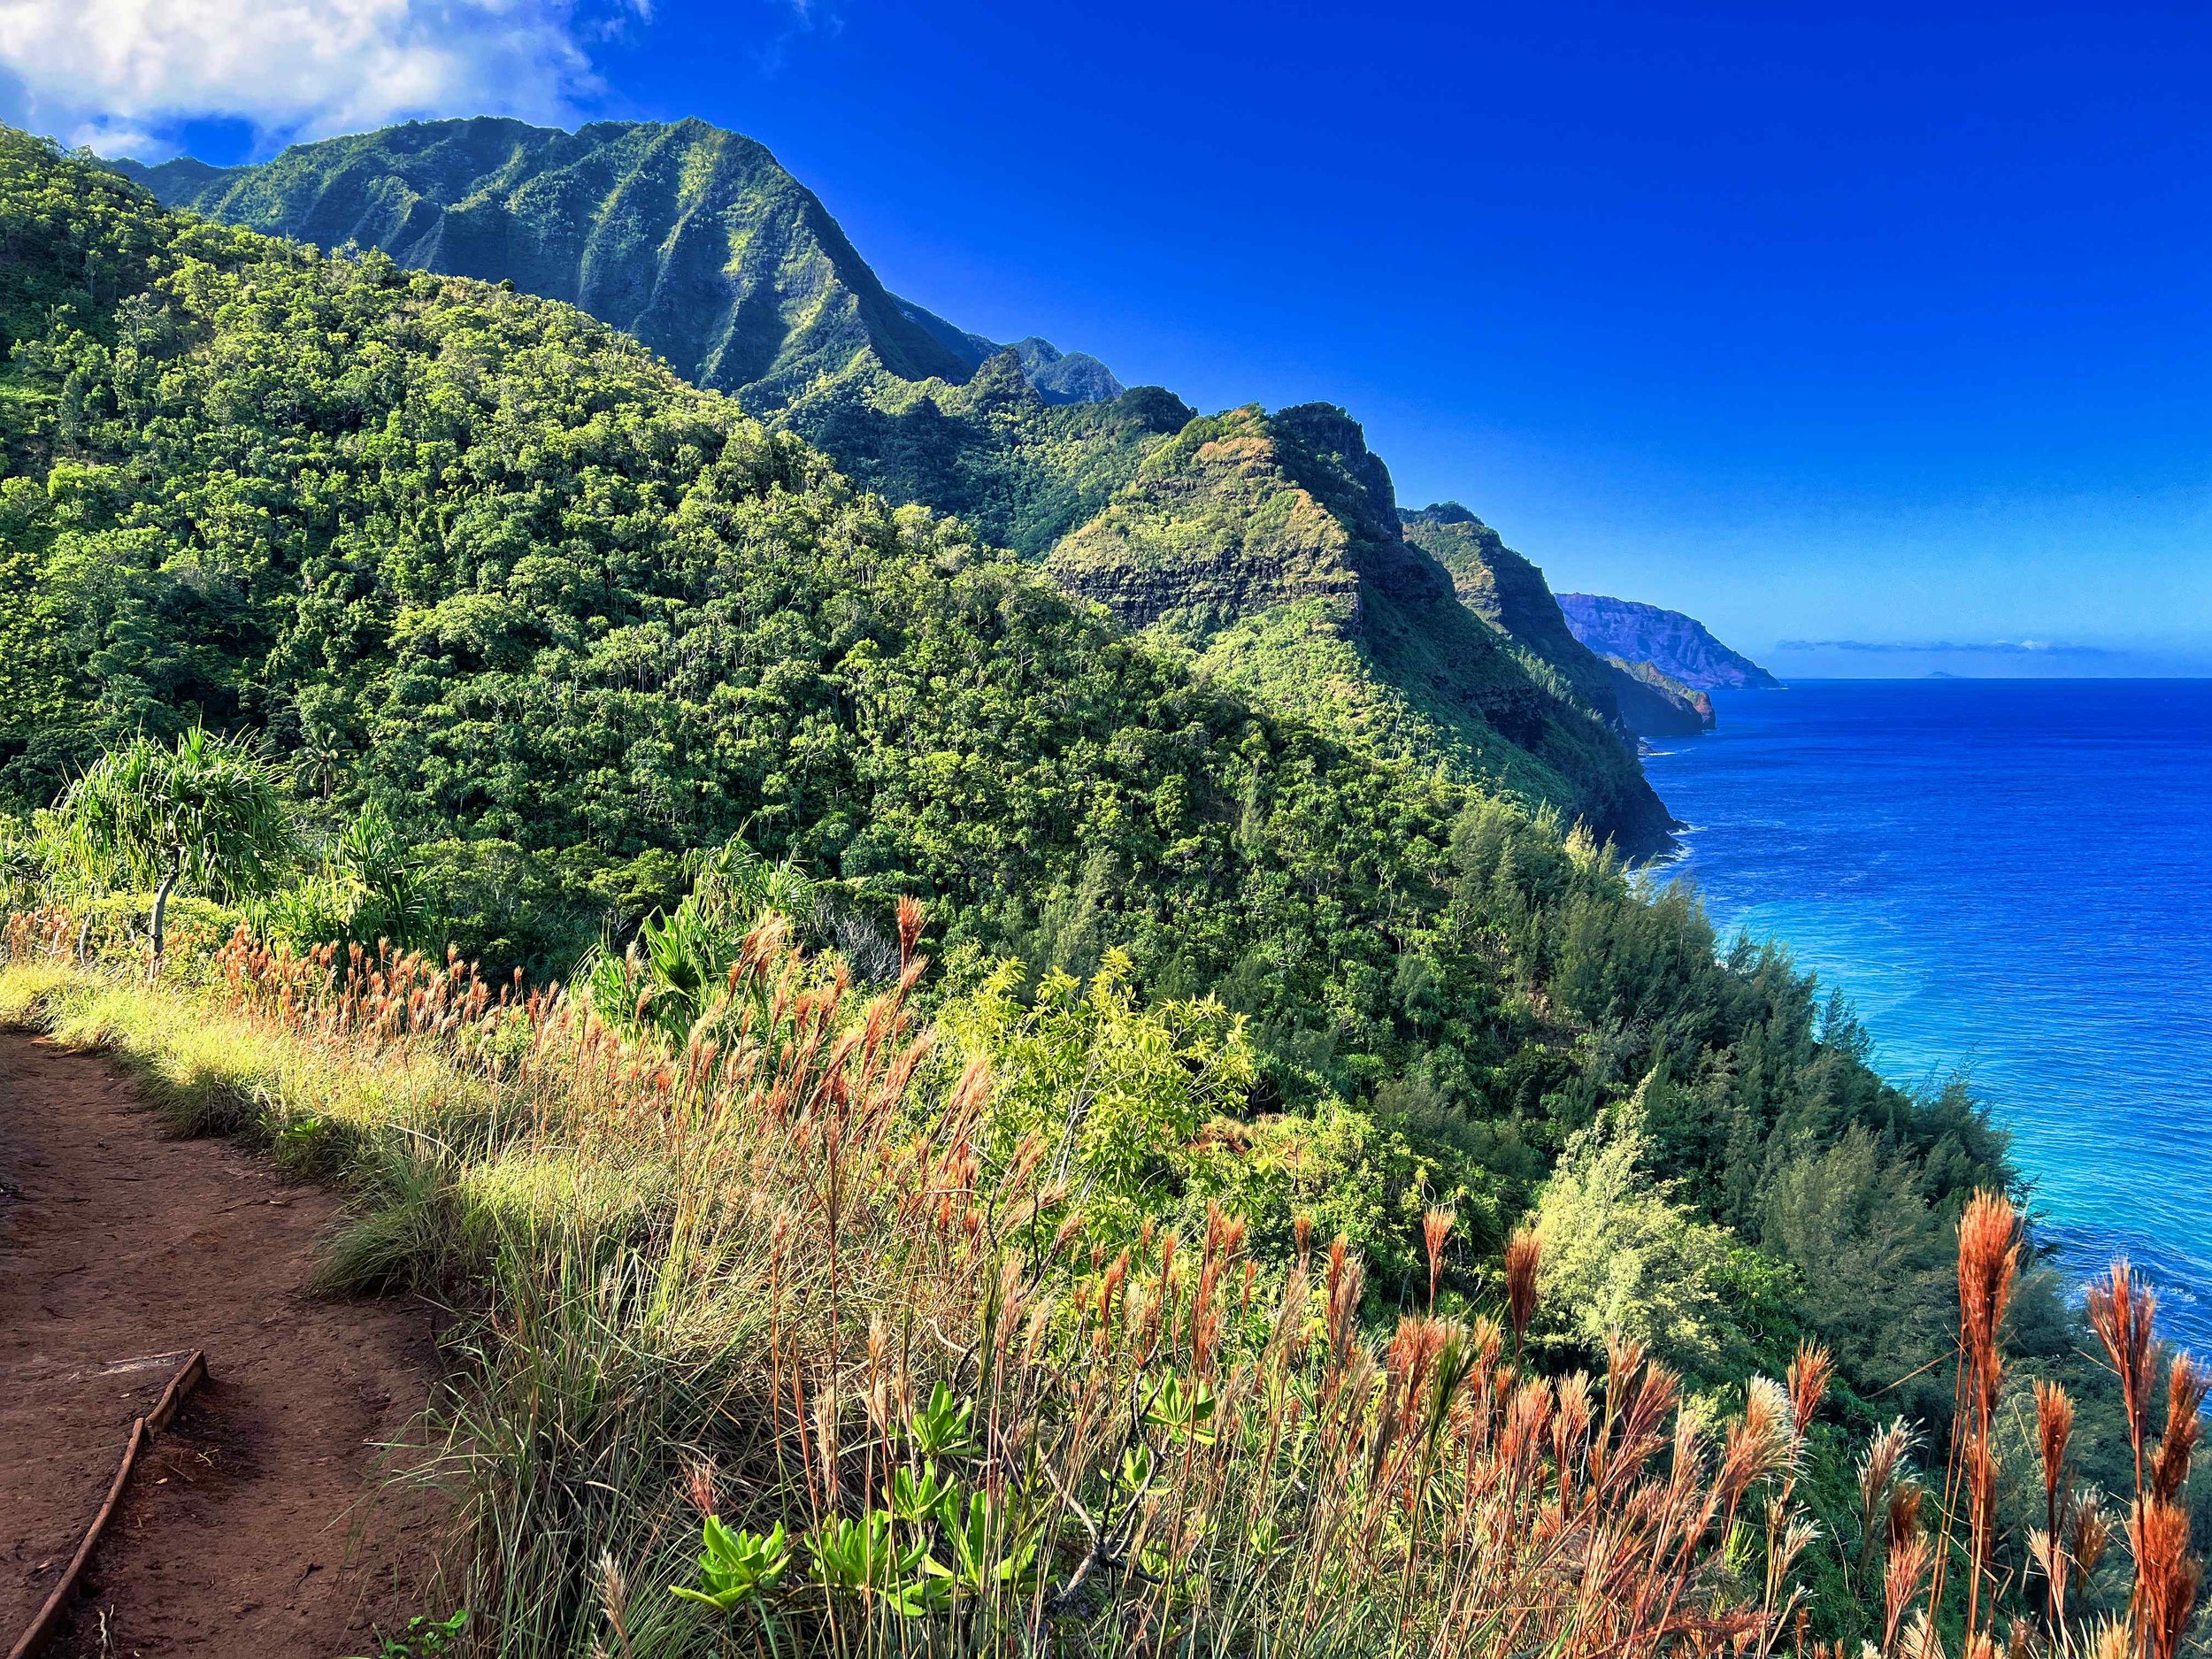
(1509,593)
(1021,472)
(697,243)
(478,562)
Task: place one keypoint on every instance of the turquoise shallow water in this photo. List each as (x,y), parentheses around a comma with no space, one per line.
(2008,876)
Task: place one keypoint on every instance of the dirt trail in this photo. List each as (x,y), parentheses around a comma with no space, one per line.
(246,1531)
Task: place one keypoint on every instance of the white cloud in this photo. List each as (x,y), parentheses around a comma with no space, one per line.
(801,17)
(119,74)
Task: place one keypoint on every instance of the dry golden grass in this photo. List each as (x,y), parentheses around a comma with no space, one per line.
(779,1279)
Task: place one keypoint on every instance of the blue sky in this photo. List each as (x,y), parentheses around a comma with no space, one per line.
(1877,326)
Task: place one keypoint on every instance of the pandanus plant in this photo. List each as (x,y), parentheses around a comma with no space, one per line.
(206,814)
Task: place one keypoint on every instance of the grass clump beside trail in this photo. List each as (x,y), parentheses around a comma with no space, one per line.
(811,1333)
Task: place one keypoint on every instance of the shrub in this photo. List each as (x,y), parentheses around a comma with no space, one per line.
(1113,1089)
(1621,1253)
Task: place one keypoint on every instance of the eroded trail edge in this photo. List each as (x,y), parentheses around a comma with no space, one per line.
(247,1529)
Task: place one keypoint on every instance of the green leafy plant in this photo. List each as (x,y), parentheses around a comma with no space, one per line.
(915,1497)
(1186,1411)
(859,1557)
(425,1638)
(1116,1086)
(941,1428)
(674,980)
(736,1567)
(383,865)
(988,1550)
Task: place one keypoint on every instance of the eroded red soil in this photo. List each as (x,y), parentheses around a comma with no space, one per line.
(250,1528)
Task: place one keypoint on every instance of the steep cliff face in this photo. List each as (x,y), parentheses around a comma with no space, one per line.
(691,238)
(1509,593)
(1272,544)
(1636,698)
(1213,529)
(1655,704)
(1678,646)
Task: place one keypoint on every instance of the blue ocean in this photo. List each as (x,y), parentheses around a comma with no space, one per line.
(2010,878)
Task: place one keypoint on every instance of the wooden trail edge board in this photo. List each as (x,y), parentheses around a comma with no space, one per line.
(189,1376)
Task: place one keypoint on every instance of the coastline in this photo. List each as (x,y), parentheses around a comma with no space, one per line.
(1961,858)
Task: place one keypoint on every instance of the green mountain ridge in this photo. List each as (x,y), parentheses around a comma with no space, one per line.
(1510,594)
(1271,545)
(694,239)
(698,243)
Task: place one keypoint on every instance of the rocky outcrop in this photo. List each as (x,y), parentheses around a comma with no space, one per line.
(1271,545)
(1679,647)
(1213,530)
(1655,704)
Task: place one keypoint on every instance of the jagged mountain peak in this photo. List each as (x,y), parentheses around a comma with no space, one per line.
(689,237)
(1066,377)
(1442,512)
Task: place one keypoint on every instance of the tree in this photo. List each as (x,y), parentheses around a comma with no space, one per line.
(1621,1253)
(207,813)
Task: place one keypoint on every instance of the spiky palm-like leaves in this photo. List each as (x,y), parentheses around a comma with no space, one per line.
(207,814)
(682,969)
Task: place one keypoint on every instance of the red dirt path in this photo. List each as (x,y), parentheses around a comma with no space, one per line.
(248,1529)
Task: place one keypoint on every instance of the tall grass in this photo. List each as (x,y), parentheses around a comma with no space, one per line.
(766,1351)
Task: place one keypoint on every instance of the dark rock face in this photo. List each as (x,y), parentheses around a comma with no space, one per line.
(1678,646)
(1656,705)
